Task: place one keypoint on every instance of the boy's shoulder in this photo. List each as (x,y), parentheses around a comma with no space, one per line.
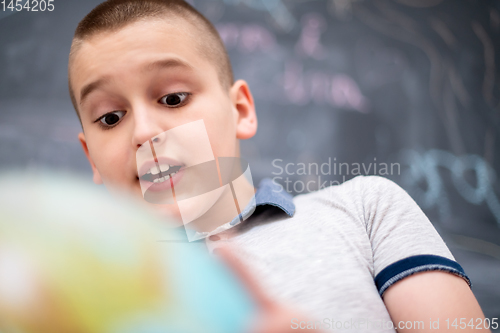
(361,187)
(369,202)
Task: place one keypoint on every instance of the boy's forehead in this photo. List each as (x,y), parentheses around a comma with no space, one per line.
(147,45)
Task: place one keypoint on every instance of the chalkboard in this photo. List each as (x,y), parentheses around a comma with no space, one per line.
(405,89)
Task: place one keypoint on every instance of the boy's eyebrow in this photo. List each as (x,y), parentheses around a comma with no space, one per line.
(168,63)
(86,90)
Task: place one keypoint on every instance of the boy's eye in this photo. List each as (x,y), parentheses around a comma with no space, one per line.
(174,99)
(112,118)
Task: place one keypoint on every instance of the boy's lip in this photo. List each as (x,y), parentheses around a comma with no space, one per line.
(171,182)
(146,166)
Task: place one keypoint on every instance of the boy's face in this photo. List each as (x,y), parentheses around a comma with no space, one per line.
(145,79)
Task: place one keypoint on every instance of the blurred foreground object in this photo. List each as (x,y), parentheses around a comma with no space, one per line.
(74,260)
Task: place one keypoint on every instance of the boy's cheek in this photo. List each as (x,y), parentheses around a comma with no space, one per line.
(110,161)
(222,135)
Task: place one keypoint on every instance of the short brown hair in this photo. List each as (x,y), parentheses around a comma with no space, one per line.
(112,15)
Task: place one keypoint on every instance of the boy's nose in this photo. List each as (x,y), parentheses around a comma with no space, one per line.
(146,128)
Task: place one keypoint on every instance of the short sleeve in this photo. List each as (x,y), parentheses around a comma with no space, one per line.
(403,240)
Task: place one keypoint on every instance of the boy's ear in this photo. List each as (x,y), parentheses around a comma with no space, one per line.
(242,100)
(97,176)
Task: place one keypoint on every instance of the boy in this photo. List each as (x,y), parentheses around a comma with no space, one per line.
(355,256)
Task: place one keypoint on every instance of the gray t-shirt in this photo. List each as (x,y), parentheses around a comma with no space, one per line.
(343,247)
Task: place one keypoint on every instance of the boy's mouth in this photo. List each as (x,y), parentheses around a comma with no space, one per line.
(164,173)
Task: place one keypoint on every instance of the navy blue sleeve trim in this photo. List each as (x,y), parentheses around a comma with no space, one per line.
(415,264)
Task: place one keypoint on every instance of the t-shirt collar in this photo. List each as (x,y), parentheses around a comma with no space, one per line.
(271,194)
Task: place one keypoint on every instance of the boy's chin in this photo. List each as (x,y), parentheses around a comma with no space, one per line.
(168,212)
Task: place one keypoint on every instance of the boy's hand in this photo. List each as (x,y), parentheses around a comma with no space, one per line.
(272,317)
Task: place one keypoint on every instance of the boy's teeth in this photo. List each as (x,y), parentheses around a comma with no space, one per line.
(163,168)
(161,179)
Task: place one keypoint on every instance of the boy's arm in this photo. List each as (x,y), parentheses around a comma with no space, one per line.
(414,271)
(426,297)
